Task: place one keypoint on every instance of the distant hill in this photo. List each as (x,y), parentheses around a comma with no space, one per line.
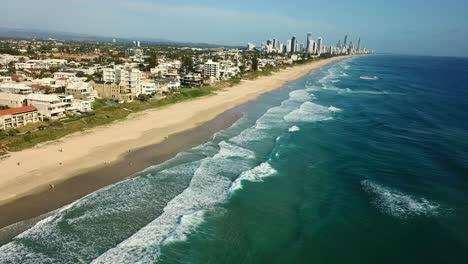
(19,33)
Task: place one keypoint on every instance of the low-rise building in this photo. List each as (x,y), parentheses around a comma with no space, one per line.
(58,75)
(147,87)
(83,106)
(81,90)
(18,117)
(13,87)
(192,80)
(113,91)
(50,105)
(167,84)
(39,64)
(12,100)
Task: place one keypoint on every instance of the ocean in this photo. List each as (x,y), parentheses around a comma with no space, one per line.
(362,161)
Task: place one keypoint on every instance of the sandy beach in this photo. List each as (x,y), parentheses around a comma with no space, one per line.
(31,172)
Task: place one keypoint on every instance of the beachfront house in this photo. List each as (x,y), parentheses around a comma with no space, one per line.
(167,84)
(81,90)
(50,105)
(18,117)
(147,87)
(113,91)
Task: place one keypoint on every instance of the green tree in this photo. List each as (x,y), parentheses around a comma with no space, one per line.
(152,60)
(187,64)
(255,63)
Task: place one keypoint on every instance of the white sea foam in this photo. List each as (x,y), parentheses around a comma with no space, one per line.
(208,187)
(334,109)
(335,89)
(369,77)
(187,224)
(400,205)
(294,129)
(256,174)
(300,95)
(309,112)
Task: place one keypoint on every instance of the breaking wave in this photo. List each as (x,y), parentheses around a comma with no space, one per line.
(369,77)
(257,174)
(309,112)
(294,129)
(401,205)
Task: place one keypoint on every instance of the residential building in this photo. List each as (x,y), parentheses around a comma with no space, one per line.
(113,91)
(13,87)
(81,90)
(18,117)
(58,75)
(82,106)
(39,64)
(12,100)
(134,52)
(123,75)
(50,105)
(167,84)
(294,44)
(319,45)
(192,80)
(211,69)
(147,87)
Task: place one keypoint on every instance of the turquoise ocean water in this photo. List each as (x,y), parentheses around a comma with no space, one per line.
(363,161)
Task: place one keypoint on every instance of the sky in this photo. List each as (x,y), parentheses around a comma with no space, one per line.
(419,27)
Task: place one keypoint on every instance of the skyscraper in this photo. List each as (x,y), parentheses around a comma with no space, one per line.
(359,45)
(319,45)
(288,46)
(345,40)
(309,43)
(293,44)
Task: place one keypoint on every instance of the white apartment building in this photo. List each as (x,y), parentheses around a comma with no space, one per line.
(124,75)
(82,105)
(147,87)
(211,69)
(49,105)
(17,88)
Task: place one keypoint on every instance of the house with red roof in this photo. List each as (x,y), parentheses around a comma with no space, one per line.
(18,117)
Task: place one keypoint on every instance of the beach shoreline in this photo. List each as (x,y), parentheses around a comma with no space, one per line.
(39,180)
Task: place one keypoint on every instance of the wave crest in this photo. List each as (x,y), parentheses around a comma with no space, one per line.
(400,205)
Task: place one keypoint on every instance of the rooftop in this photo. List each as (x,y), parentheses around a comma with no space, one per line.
(18,110)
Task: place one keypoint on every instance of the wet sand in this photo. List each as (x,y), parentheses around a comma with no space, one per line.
(134,161)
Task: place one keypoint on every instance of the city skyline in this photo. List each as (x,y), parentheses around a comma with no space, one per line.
(410,28)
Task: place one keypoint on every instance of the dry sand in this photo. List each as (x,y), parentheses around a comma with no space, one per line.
(57,161)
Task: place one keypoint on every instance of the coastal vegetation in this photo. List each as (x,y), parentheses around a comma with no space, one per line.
(105,112)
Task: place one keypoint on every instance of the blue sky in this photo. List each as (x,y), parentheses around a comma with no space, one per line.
(432,27)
